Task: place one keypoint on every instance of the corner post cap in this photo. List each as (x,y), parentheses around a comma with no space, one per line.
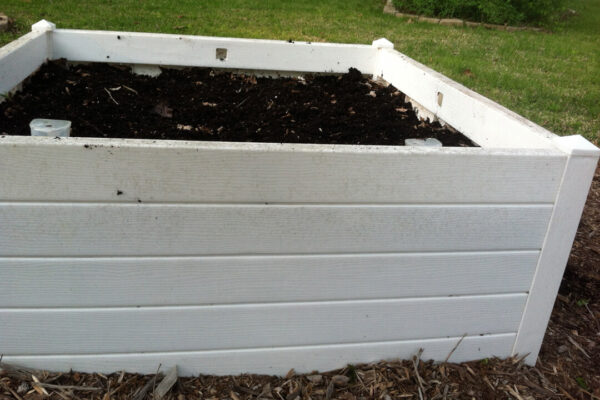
(383,43)
(43,26)
(576,145)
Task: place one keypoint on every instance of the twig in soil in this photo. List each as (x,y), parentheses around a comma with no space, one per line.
(50,380)
(592,396)
(130,89)
(566,393)
(543,391)
(329,391)
(415,361)
(68,387)
(37,386)
(154,382)
(293,395)
(514,392)
(122,385)
(519,359)
(454,348)
(111,97)
(265,392)
(64,396)
(141,393)
(242,389)
(238,105)
(121,377)
(167,383)
(578,346)
(593,318)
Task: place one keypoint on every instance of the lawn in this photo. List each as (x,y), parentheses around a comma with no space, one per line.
(552,78)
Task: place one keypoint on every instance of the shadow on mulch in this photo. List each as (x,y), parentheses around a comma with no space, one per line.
(568,366)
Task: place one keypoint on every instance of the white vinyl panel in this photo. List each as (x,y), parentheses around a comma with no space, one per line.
(200,51)
(86,169)
(487,123)
(119,330)
(91,229)
(97,282)
(275,361)
(20,58)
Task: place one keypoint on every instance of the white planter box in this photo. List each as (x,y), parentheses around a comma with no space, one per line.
(256,257)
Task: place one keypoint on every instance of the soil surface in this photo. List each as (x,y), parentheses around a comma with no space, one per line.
(105,100)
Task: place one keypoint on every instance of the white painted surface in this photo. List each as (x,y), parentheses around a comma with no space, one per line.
(576,145)
(557,246)
(21,58)
(275,360)
(487,123)
(173,171)
(382,43)
(153,281)
(184,50)
(43,26)
(240,326)
(95,229)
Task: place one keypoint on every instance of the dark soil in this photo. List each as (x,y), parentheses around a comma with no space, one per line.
(202,104)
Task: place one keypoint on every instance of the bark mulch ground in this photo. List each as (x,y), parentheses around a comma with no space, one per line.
(105,100)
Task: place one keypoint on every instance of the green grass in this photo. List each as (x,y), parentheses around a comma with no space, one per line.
(551,78)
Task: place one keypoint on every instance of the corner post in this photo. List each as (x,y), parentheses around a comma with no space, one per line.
(46,27)
(582,158)
(381,45)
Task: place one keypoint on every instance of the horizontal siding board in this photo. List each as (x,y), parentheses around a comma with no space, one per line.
(183,50)
(68,282)
(44,169)
(146,329)
(484,121)
(20,58)
(89,229)
(275,361)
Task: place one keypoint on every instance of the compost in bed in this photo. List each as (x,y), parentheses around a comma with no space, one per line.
(109,101)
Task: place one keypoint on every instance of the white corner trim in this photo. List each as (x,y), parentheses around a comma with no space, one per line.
(576,145)
(43,26)
(383,43)
(568,207)
(380,45)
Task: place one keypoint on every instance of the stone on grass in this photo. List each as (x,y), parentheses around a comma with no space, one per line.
(4,22)
(451,22)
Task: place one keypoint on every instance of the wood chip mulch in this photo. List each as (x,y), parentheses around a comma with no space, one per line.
(568,366)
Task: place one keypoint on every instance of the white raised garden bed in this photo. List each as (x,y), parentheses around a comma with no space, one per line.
(260,257)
